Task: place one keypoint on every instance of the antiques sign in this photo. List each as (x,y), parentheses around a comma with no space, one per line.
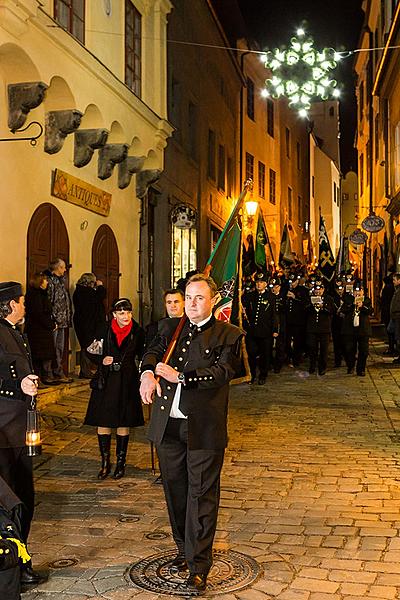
(74,190)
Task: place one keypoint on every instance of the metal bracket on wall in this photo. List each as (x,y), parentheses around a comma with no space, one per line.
(31,139)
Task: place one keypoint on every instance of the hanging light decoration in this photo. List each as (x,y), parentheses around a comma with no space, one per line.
(301,73)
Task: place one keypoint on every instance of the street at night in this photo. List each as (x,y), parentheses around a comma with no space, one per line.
(309,489)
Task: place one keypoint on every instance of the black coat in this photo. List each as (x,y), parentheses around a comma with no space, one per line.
(89,313)
(15,364)
(348,309)
(296,307)
(119,403)
(39,324)
(319,321)
(209,357)
(260,318)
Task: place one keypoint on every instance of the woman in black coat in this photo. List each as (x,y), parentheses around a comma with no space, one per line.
(39,326)
(115,400)
(89,317)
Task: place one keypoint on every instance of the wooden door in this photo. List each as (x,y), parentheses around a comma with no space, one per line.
(48,239)
(105,262)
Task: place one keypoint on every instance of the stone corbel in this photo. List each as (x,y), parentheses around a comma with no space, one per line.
(23,97)
(144,180)
(129,166)
(86,142)
(59,124)
(109,156)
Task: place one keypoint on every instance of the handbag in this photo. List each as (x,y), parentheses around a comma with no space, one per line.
(98,381)
(96,347)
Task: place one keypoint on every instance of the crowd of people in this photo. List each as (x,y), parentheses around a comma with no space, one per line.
(290,317)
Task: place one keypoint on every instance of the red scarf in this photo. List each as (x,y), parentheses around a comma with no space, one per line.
(121,332)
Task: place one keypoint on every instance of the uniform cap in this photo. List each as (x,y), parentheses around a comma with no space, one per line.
(10,290)
(261,277)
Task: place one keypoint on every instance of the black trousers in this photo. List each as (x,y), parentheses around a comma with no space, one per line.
(261,347)
(17,470)
(191,486)
(318,350)
(356,346)
(297,335)
(338,349)
(280,354)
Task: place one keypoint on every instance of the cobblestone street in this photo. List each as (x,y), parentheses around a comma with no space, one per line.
(310,490)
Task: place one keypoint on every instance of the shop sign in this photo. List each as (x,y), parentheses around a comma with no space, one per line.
(78,192)
(373,223)
(358,237)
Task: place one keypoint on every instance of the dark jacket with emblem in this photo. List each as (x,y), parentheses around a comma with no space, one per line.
(296,307)
(118,404)
(319,321)
(210,357)
(15,365)
(349,312)
(260,318)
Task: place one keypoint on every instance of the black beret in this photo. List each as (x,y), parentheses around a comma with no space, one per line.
(10,290)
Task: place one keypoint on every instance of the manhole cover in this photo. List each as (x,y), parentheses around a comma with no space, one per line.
(156,535)
(128,519)
(63,563)
(231,571)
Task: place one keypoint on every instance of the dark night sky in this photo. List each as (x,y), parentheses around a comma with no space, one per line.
(334,24)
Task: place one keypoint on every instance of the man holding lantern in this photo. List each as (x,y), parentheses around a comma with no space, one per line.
(17,383)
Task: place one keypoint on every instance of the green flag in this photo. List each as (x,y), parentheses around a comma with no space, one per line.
(261,241)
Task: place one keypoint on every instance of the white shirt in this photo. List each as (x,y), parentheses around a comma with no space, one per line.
(175,413)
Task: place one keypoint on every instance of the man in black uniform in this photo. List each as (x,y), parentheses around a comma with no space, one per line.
(279,342)
(262,325)
(17,384)
(189,421)
(320,309)
(337,322)
(356,329)
(296,302)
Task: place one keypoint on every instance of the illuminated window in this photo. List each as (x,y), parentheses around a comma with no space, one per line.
(70,14)
(249,166)
(133,48)
(184,253)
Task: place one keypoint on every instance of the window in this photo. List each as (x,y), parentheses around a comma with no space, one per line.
(214,236)
(70,14)
(184,255)
(250,98)
(272,186)
(270,117)
(221,167)
(192,130)
(175,106)
(299,211)
(211,154)
(290,203)
(287,142)
(133,48)
(229,177)
(249,166)
(261,179)
(298,157)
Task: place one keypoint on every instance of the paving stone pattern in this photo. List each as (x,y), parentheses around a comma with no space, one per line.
(310,490)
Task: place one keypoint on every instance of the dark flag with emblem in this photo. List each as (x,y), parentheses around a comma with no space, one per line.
(326,261)
(285,255)
(223,264)
(261,241)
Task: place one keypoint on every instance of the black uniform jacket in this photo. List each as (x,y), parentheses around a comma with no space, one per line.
(15,364)
(319,321)
(260,318)
(209,356)
(296,307)
(348,309)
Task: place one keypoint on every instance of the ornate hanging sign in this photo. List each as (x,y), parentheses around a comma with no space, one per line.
(358,237)
(301,73)
(183,216)
(373,223)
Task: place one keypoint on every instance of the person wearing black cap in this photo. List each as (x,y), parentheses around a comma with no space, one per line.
(337,322)
(356,329)
(279,342)
(261,323)
(296,302)
(189,421)
(320,309)
(17,384)
(115,400)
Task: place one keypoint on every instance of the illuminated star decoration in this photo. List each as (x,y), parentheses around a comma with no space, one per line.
(301,73)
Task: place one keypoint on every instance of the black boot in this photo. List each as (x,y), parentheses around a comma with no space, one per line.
(105,446)
(122,447)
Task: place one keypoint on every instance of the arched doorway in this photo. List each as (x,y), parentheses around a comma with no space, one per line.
(47,239)
(105,262)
